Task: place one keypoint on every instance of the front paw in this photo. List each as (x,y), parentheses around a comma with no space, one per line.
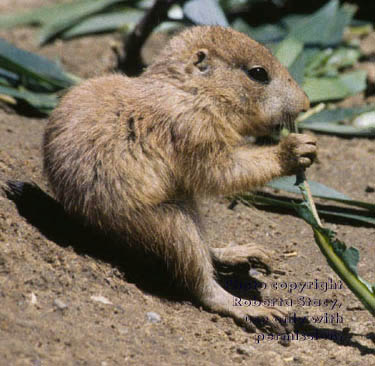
(296,152)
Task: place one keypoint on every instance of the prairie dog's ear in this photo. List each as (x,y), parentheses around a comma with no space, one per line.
(199,62)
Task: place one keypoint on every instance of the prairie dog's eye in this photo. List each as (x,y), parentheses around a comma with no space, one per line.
(258,74)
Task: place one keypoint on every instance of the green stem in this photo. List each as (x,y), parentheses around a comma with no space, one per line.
(354,283)
(359,289)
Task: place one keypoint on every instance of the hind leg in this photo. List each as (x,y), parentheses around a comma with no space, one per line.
(243,257)
(174,235)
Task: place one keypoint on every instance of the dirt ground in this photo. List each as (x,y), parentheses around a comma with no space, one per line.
(68,297)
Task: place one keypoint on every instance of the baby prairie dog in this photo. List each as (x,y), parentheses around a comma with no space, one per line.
(132,155)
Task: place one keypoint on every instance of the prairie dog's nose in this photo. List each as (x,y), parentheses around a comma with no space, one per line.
(306,102)
(296,98)
(301,101)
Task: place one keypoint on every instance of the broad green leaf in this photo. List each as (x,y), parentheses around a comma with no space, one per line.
(292,20)
(105,23)
(342,20)
(325,27)
(318,190)
(331,121)
(75,12)
(297,68)
(288,51)
(355,81)
(346,215)
(41,101)
(361,216)
(332,88)
(35,16)
(206,12)
(343,57)
(322,89)
(337,115)
(268,33)
(8,78)
(29,64)
(316,60)
(349,255)
(331,61)
(339,129)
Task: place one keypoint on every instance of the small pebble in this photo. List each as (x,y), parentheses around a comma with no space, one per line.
(254,273)
(123,330)
(297,359)
(33,299)
(245,350)
(214,318)
(370,189)
(60,304)
(153,317)
(101,299)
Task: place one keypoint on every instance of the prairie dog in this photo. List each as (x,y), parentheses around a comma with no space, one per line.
(131,155)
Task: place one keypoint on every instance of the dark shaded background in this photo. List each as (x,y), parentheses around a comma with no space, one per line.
(272,11)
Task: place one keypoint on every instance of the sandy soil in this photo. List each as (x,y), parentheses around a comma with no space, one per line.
(68,297)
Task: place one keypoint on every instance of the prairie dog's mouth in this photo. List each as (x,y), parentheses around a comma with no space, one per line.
(286,120)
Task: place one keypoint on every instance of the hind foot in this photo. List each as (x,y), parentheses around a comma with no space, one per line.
(244,257)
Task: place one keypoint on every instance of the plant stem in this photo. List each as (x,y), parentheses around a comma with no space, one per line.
(131,64)
(304,187)
(326,246)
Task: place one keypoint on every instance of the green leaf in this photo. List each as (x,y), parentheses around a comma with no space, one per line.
(297,68)
(350,257)
(340,130)
(337,115)
(205,12)
(325,27)
(105,23)
(342,260)
(292,20)
(288,51)
(72,14)
(304,212)
(343,57)
(360,216)
(40,101)
(329,62)
(332,88)
(355,81)
(316,61)
(330,121)
(8,78)
(35,16)
(268,33)
(346,215)
(318,190)
(342,20)
(32,65)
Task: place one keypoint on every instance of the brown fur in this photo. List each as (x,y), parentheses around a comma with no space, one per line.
(131,155)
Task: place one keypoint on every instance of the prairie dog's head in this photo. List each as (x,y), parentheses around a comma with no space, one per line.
(229,71)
